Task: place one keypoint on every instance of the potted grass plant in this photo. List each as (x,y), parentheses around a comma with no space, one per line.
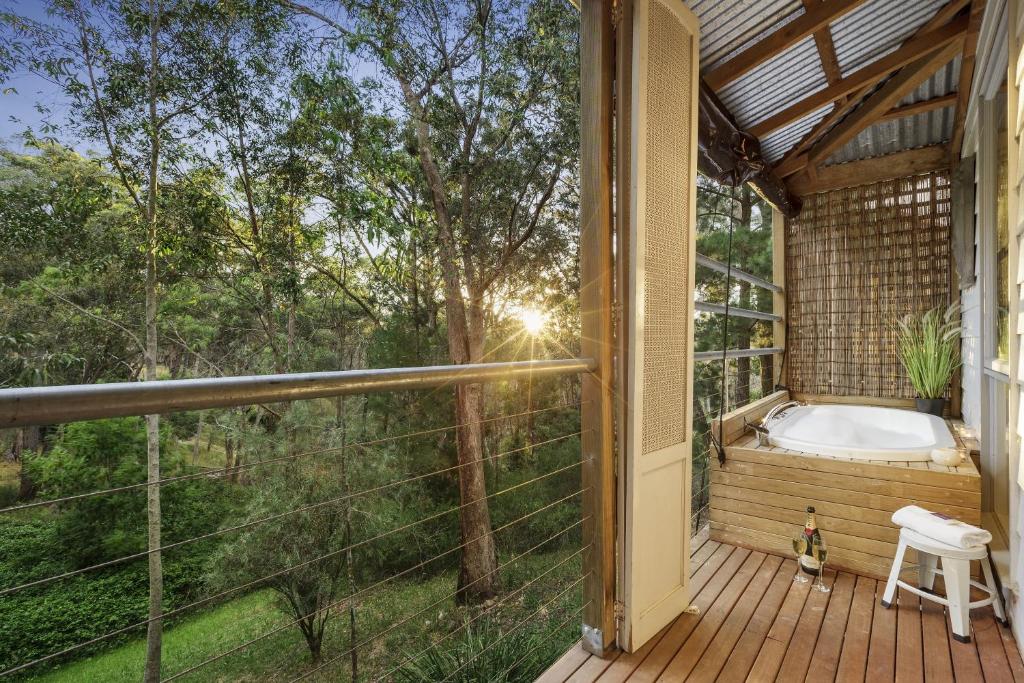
(928,345)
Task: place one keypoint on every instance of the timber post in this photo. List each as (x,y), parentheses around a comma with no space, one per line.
(596,321)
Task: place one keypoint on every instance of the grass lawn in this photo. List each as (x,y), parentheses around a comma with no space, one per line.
(283,656)
(186,643)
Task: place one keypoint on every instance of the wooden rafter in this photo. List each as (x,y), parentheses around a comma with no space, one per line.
(875,106)
(794,160)
(897,165)
(966,79)
(940,102)
(911,51)
(807,24)
(826,49)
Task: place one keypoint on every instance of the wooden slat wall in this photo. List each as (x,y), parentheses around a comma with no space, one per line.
(856,259)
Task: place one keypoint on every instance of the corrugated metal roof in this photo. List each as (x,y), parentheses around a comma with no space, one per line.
(910,132)
(728,26)
(877,28)
(943,82)
(775,84)
(774,146)
(864,35)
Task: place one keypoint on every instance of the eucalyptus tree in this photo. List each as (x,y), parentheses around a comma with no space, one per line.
(489,92)
(130,76)
(247,117)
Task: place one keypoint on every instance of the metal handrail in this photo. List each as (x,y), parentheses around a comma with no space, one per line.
(59,404)
(704,356)
(706,307)
(736,273)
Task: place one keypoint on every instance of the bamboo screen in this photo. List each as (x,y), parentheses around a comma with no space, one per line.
(856,259)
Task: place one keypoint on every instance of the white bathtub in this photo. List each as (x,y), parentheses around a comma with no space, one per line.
(863,432)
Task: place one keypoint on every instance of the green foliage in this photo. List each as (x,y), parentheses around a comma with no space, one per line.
(39,621)
(929,347)
(103,454)
(84,457)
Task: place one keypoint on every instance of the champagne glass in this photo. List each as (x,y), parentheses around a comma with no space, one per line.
(819,551)
(799,547)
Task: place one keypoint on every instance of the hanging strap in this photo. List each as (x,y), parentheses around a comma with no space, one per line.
(722,399)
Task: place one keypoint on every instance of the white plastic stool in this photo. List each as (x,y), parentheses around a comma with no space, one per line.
(956,573)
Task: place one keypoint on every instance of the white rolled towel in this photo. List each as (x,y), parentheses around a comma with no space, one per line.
(939,527)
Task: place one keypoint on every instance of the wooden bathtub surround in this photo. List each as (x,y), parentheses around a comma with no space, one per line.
(760,495)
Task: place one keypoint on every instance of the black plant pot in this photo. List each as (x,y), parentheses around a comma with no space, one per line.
(932,406)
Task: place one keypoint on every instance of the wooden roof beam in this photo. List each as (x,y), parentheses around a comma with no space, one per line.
(878,104)
(826,48)
(966,79)
(794,160)
(911,50)
(899,165)
(805,25)
(940,102)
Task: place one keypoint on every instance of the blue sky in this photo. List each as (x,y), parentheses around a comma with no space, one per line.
(18,109)
(24,92)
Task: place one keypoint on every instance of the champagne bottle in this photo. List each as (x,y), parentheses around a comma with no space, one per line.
(808,562)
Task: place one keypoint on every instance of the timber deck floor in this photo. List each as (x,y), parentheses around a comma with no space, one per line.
(755,624)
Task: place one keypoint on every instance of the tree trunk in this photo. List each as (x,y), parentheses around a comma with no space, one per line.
(341,422)
(154,633)
(28,440)
(478,575)
(229,455)
(197,443)
(743,327)
(767,375)
(314,641)
(478,571)
(14,454)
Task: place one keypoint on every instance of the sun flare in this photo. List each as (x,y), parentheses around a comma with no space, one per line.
(533,320)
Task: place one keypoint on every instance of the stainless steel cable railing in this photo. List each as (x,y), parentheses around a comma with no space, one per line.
(306,508)
(35,407)
(229,471)
(364,591)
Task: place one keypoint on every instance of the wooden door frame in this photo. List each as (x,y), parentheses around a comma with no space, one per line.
(597,67)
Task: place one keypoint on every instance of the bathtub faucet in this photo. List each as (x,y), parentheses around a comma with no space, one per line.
(759,429)
(776,411)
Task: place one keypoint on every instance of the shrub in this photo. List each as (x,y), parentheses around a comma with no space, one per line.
(484,654)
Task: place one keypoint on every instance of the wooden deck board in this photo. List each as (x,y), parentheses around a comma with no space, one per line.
(755,624)
(854,657)
(744,652)
(797,659)
(909,649)
(828,648)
